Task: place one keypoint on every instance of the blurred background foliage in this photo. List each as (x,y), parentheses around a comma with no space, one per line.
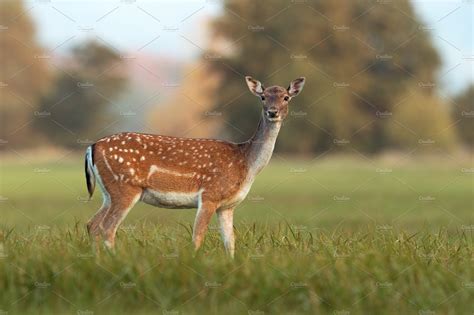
(372,82)
(463,114)
(352,82)
(82,93)
(24,74)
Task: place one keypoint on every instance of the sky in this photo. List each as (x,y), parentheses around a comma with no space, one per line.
(179,29)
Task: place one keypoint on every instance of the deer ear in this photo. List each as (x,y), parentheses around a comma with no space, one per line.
(296,86)
(255,86)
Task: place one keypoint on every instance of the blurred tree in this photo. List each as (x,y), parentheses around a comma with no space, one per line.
(358,57)
(421,122)
(463,115)
(77,107)
(24,74)
(191,107)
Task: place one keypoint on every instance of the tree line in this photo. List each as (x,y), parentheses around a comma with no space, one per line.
(371,74)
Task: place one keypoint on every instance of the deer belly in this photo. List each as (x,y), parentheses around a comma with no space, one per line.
(172,200)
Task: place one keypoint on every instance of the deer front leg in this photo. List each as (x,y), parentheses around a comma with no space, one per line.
(226,219)
(203,217)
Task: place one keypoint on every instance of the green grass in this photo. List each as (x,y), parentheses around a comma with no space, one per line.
(335,236)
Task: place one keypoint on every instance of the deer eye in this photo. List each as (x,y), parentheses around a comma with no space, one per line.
(286,98)
(262,97)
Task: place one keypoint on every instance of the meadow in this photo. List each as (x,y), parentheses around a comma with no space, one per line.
(332,235)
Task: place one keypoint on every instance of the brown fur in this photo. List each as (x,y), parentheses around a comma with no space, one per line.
(213,165)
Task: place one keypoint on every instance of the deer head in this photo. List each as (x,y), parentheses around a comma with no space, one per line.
(275,99)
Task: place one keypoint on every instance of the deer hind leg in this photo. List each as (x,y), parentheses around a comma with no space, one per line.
(121,202)
(203,216)
(94,225)
(226,219)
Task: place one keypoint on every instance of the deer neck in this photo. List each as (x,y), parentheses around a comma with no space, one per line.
(260,147)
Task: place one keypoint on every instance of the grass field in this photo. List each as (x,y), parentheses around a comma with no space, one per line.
(337,235)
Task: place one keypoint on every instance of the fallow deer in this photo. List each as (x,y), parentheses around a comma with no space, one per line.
(170,172)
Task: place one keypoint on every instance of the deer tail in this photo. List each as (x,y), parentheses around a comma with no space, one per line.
(89,170)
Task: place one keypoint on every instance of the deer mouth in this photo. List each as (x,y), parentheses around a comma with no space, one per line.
(272,116)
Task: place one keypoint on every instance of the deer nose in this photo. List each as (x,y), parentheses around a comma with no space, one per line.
(272,113)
